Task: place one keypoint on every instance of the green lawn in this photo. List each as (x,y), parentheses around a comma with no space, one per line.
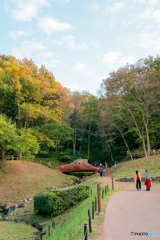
(70,225)
(53,160)
(151,163)
(15,231)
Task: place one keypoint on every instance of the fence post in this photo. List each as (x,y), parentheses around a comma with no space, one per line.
(112,183)
(107,188)
(91,192)
(102,193)
(89,220)
(99,199)
(93,210)
(95,204)
(53,223)
(41,236)
(85,231)
(48,230)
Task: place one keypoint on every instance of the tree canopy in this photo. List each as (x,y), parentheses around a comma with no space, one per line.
(40,116)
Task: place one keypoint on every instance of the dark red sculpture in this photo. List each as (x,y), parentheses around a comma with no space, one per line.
(79,165)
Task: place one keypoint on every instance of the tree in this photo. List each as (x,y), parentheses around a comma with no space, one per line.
(17,140)
(77,99)
(90,114)
(131,94)
(34,92)
(52,135)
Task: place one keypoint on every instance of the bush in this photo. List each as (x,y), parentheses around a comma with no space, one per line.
(47,203)
(65,158)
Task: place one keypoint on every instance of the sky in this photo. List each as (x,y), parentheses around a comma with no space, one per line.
(80,41)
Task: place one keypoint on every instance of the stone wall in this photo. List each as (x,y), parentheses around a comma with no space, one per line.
(154,179)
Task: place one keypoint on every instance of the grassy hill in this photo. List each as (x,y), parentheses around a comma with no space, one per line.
(127,169)
(21,179)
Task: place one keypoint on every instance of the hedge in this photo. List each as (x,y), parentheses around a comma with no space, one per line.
(65,158)
(47,203)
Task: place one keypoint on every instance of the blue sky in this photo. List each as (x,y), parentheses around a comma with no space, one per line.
(80,41)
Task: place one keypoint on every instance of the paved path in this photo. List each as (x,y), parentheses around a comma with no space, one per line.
(133,211)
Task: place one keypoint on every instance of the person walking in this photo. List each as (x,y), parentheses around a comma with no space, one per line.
(147,180)
(100,171)
(115,163)
(106,164)
(137,179)
(49,165)
(103,172)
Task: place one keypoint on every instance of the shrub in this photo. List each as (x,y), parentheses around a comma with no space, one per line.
(65,158)
(56,202)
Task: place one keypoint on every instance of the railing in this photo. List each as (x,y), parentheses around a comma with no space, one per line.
(94,208)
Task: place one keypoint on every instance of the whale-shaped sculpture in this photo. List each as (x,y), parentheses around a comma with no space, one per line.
(79,165)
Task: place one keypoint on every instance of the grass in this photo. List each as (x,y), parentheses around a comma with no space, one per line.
(127,169)
(70,224)
(53,160)
(21,179)
(14,231)
(24,177)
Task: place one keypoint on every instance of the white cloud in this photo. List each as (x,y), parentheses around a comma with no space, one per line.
(153,1)
(26,49)
(46,54)
(111,57)
(83,68)
(149,40)
(58,43)
(80,67)
(25,10)
(95,44)
(146,14)
(115,61)
(75,86)
(94,6)
(50,25)
(54,63)
(17,34)
(150,13)
(117,7)
(156,15)
(71,43)
(66,1)
(125,60)
(142,1)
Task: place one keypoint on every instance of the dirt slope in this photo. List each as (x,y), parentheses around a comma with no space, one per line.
(20,180)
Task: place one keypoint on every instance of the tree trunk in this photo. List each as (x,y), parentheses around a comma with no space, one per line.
(2,157)
(148,141)
(126,145)
(111,152)
(19,114)
(74,141)
(89,141)
(144,147)
(20,155)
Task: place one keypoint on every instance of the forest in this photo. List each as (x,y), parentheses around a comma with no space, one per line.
(41,118)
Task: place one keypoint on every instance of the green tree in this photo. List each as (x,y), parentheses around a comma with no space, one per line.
(17,140)
(131,95)
(90,114)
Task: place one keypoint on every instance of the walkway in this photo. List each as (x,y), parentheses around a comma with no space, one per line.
(133,211)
